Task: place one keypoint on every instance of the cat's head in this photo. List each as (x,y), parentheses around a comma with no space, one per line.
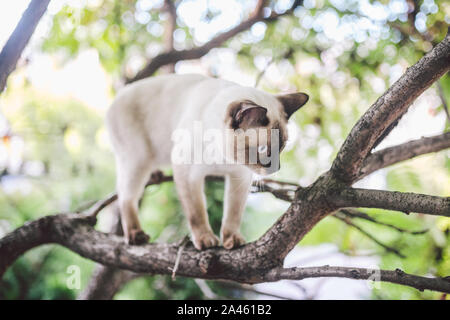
(257,129)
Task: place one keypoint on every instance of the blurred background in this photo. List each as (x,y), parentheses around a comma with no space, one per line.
(55,155)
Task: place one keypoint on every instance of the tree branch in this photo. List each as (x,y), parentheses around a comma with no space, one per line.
(173,56)
(76,233)
(18,40)
(392,200)
(169,29)
(443,100)
(402,152)
(397,276)
(361,215)
(388,109)
(281,190)
(339,215)
(105,281)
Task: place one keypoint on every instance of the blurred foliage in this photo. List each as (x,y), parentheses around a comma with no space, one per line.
(64,162)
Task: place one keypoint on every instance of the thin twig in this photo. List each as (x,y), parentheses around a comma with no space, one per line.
(260,75)
(444,101)
(158,177)
(361,215)
(177,260)
(347,221)
(173,56)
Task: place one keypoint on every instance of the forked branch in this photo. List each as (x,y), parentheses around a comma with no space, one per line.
(388,109)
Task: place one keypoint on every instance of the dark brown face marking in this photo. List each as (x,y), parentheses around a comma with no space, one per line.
(282,137)
(292,102)
(252,156)
(246,114)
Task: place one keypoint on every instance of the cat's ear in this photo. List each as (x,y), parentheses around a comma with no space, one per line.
(292,102)
(246,115)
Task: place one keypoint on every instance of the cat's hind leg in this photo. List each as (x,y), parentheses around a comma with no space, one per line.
(132,176)
(133,155)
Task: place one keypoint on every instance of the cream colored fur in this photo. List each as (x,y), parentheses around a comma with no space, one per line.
(140,123)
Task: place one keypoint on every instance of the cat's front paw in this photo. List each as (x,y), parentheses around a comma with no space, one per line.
(232,240)
(137,237)
(205,240)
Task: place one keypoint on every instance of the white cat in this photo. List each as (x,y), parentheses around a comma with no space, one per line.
(143,119)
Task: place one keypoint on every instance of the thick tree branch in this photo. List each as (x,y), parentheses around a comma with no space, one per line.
(18,40)
(391,200)
(402,152)
(106,281)
(174,56)
(76,233)
(388,109)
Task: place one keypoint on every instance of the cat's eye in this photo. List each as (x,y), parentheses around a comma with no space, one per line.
(262,149)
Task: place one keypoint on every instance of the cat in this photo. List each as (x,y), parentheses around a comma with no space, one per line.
(152,118)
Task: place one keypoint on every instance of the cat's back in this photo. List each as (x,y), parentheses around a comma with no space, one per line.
(167,86)
(168,91)
(153,108)
(168,81)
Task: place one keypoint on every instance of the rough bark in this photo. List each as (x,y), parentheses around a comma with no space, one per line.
(106,281)
(395,276)
(17,42)
(392,200)
(76,233)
